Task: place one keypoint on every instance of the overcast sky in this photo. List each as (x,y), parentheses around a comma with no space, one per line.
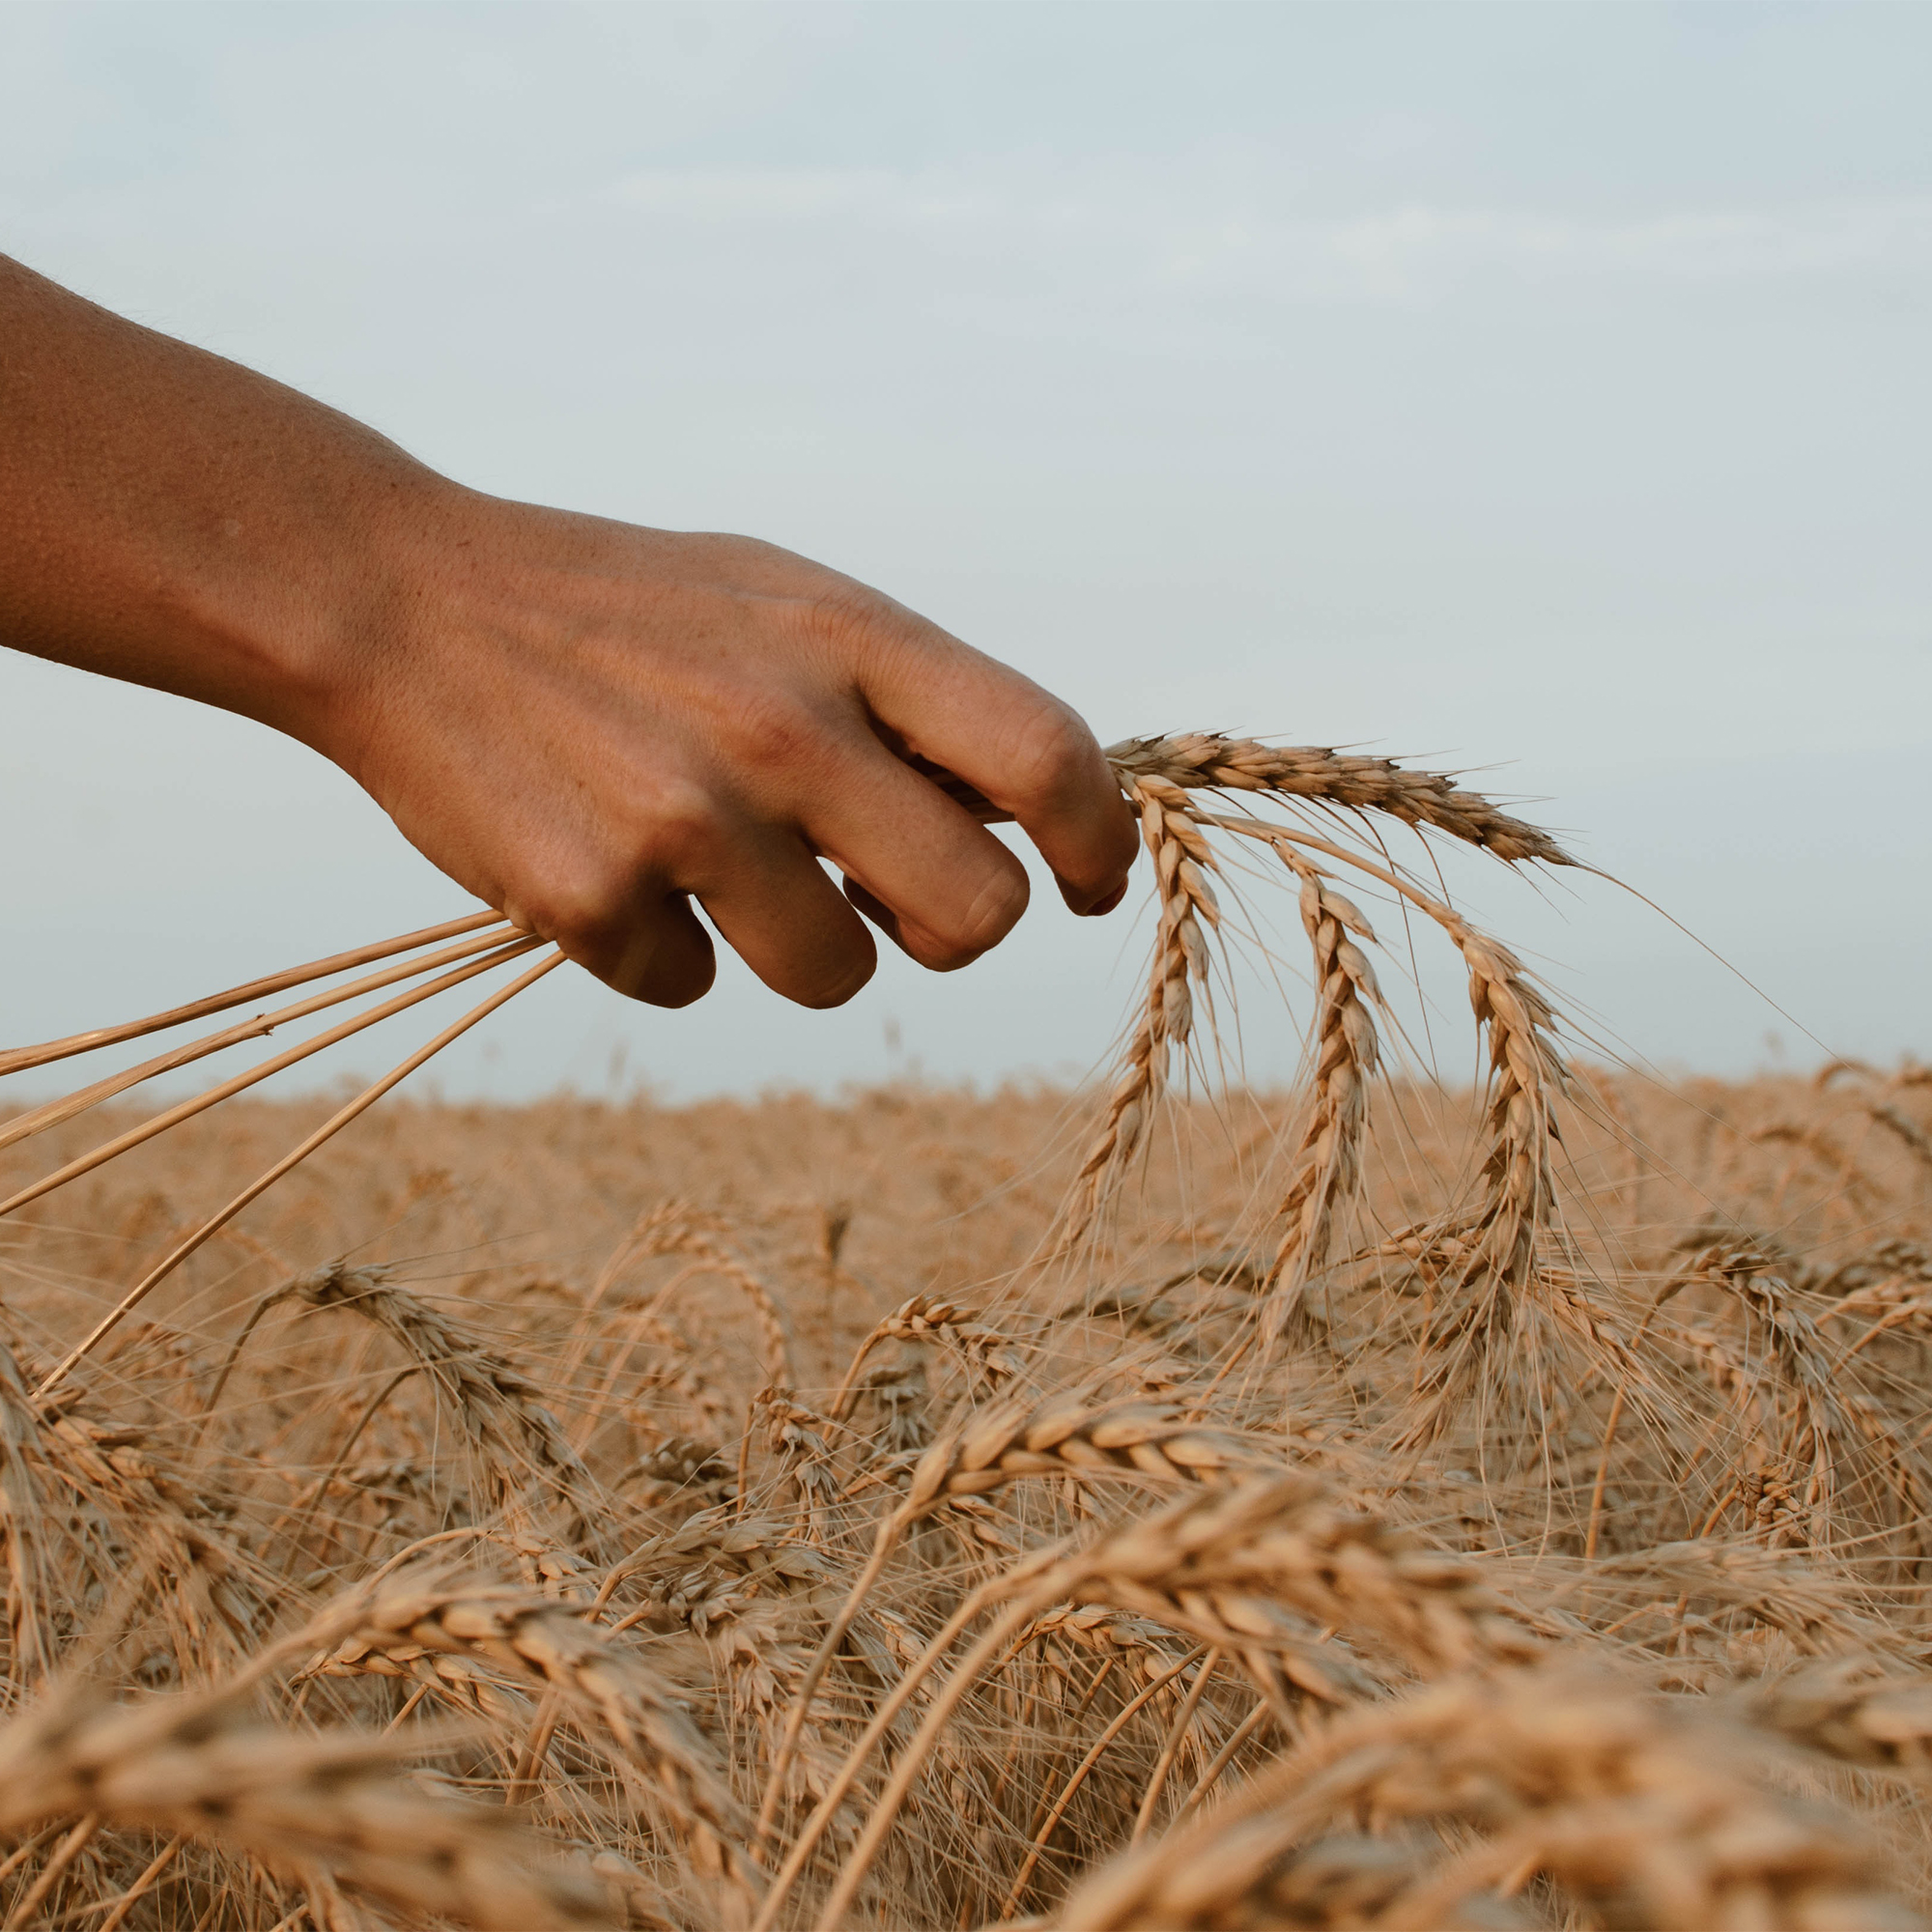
(1536,387)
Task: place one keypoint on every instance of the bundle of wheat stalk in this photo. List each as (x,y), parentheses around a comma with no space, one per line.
(1398,1507)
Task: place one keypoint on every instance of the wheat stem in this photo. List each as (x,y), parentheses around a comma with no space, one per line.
(143,1885)
(333,1125)
(24,1127)
(1171,1745)
(188,1109)
(21,1057)
(27,1907)
(1071,1789)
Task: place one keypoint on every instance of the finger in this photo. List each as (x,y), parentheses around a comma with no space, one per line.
(876,910)
(662,954)
(939,884)
(780,912)
(911,939)
(1024,750)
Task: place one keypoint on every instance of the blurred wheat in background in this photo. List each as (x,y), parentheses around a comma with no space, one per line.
(1380,1504)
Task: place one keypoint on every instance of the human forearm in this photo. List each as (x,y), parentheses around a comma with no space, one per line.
(173,519)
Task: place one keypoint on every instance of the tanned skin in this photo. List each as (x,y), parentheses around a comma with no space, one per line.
(584,724)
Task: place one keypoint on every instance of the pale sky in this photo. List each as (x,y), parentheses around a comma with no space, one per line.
(1541,389)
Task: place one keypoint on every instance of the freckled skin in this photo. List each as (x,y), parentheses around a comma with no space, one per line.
(586,724)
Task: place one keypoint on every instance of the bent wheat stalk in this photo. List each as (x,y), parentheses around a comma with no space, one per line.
(1010,1440)
(1220,1567)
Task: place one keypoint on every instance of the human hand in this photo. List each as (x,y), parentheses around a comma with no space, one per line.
(586,724)
(590,725)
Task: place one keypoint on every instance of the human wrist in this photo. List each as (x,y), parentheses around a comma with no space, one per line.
(374,606)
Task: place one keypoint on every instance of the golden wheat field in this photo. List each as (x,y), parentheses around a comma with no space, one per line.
(1379,1503)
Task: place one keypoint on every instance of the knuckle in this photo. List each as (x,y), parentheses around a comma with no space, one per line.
(774,732)
(576,904)
(846,620)
(1049,754)
(992,913)
(615,919)
(681,836)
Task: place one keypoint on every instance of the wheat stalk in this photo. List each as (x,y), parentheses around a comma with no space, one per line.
(677,1229)
(38,1119)
(187,1110)
(261,1184)
(19,1058)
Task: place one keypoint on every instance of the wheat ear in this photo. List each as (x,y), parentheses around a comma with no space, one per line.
(195,1764)
(1494,1242)
(928,1318)
(1188,910)
(1205,760)
(532,1639)
(1329,1161)
(1634,1804)
(1860,1710)
(496,1400)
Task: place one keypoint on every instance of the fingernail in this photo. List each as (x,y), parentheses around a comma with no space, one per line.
(1108,903)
